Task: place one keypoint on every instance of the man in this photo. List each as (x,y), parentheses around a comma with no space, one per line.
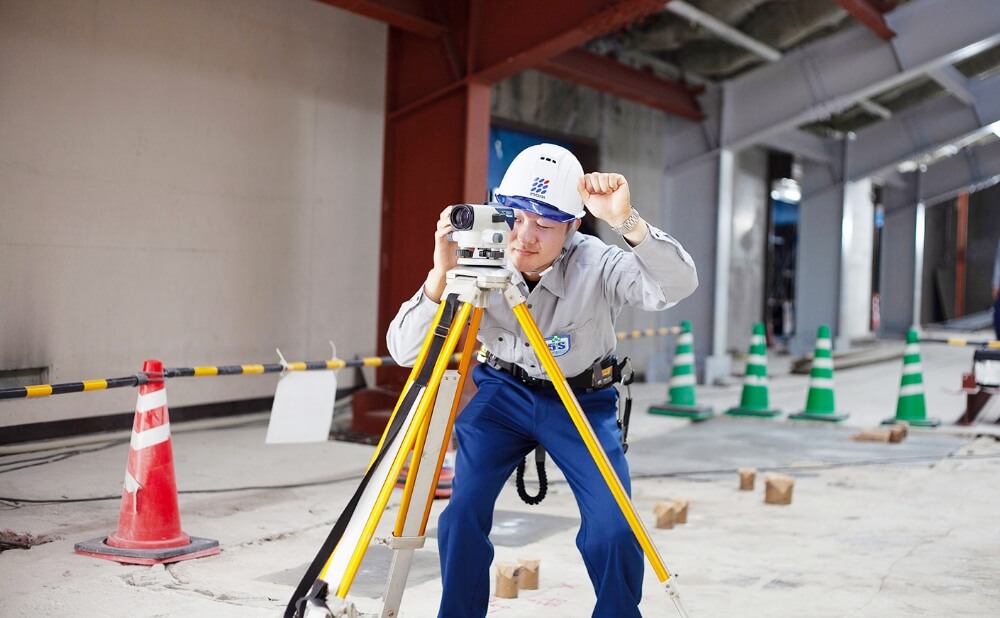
(575,287)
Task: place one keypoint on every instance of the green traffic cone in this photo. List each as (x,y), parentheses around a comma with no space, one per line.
(682,379)
(819,403)
(911,406)
(755,400)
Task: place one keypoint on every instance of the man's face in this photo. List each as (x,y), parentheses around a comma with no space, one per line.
(535,242)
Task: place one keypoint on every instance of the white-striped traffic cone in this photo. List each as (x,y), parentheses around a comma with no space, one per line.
(682,380)
(755,400)
(911,406)
(819,403)
(149,523)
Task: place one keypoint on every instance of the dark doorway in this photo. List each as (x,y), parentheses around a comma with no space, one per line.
(782,247)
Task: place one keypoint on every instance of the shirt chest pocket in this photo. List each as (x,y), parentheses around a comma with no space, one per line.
(576,345)
(499,341)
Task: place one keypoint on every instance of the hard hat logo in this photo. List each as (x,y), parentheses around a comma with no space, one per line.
(539,186)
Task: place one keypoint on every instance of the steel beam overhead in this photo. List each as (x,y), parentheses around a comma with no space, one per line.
(723,30)
(522,36)
(867,14)
(924,128)
(406,15)
(587,68)
(830,75)
(949,78)
(804,144)
(971,170)
(874,108)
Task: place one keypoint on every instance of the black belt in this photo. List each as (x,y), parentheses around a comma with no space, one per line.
(601,374)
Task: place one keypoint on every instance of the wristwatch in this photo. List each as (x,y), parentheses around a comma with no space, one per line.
(628,224)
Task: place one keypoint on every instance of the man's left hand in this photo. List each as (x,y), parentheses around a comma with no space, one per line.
(606,196)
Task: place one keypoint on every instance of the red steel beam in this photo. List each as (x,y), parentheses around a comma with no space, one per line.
(870,15)
(609,75)
(525,33)
(406,15)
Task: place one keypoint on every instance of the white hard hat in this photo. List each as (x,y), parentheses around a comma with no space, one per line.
(542,179)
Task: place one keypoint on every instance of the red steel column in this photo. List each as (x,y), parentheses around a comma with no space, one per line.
(435,155)
(961,248)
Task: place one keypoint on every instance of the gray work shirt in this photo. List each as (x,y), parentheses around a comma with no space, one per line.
(575,304)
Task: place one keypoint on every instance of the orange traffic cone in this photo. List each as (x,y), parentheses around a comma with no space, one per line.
(149,523)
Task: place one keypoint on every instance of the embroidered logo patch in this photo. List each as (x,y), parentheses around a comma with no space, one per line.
(558,344)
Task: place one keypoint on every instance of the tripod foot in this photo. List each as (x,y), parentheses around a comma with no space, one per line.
(314,605)
(675,596)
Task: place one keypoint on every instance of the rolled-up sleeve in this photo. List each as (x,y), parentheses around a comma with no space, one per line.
(655,275)
(409,328)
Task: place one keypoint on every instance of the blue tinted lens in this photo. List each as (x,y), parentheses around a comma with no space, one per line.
(534,206)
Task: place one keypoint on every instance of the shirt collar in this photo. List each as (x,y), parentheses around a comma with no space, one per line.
(554,280)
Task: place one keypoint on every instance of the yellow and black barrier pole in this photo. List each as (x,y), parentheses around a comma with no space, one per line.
(649,332)
(138,379)
(994,345)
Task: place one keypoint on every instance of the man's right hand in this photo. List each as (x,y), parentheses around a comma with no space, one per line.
(445,257)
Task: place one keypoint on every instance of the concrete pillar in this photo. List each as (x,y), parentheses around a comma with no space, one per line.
(819,263)
(898,260)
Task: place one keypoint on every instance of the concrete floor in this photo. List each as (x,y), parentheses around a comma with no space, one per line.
(874,529)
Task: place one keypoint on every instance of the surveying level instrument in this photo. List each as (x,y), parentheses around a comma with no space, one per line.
(422,422)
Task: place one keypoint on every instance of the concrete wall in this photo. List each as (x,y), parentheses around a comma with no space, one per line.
(196,181)
(897,270)
(818,265)
(941,255)
(984,232)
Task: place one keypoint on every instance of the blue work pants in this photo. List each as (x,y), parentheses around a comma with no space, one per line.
(502,424)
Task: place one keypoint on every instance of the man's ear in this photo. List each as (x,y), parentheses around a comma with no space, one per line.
(577,223)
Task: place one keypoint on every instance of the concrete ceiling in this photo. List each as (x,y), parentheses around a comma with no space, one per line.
(913,80)
(688,50)
(719,42)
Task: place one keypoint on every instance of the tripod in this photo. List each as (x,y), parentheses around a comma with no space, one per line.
(422,422)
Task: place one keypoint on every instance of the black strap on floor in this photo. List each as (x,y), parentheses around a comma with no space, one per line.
(308,587)
(543,482)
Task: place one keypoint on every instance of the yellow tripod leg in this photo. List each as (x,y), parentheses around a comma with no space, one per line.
(468,351)
(463,371)
(594,448)
(409,438)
